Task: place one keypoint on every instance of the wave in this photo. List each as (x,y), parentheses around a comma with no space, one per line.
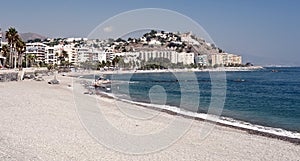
(213,118)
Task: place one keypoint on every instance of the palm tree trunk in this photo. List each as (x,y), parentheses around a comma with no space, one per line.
(10,55)
(19,60)
(15,56)
(26,61)
(15,60)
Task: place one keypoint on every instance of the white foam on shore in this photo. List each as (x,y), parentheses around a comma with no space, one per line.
(215,119)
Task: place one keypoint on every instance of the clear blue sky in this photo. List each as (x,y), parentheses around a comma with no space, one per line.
(262,31)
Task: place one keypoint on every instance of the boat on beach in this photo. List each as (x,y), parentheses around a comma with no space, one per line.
(102,83)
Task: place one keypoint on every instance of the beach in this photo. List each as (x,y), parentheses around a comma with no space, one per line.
(40,122)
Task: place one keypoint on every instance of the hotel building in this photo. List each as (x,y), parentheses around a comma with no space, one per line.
(38,49)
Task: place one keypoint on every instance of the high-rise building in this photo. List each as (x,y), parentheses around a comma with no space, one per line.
(38,49)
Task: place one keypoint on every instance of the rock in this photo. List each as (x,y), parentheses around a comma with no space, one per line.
(54,81)
(39,78)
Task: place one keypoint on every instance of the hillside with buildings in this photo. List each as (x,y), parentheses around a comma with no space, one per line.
(159,48)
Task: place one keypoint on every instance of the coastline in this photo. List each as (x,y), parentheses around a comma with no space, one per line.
(270,132)
(220,69)
(15,74)
(42,123)
(273,132)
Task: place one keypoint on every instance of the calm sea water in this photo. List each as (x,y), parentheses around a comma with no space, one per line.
(260,97)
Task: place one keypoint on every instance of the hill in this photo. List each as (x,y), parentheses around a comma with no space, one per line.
(31,36)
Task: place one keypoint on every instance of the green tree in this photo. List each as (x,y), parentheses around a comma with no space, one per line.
(62,58)
(64,54)
(31,58)
(152,33)
(115,61)
(103,64)
(37,40)
(50,67)
(108,63)
(248,64)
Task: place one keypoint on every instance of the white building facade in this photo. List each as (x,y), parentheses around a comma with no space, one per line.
(38,49)
(51,57)
(186,58)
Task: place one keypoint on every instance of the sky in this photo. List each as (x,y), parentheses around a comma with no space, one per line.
(264,32)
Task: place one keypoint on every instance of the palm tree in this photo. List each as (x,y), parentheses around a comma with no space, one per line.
(21,48)
(12,36)
(62,57)
(103,64)
(108,63)
(65,54)
(115,61)
(5,52)
(31,58)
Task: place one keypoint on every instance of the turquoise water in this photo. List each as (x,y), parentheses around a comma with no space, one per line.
(260,97)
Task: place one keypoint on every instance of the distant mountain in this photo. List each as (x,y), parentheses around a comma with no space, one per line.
(31,36)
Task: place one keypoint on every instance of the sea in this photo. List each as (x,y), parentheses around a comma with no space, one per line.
(266,100)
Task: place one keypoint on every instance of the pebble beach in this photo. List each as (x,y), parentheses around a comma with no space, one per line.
(39,121)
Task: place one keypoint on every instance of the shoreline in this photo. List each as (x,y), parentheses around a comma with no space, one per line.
(294,140)
(6,75)
(220,69)
(273,132)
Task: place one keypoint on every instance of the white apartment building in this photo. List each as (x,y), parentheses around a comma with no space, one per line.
(186,58)
(83,54)
(237,59)
(90,54)
(224,59)
(38,49)
(216,59)
(173,56)
(151,55)
(72,54)
(231,59)
(99,55)
(51,57)
(128,56)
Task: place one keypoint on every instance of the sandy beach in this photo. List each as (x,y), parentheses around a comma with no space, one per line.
(39,121)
